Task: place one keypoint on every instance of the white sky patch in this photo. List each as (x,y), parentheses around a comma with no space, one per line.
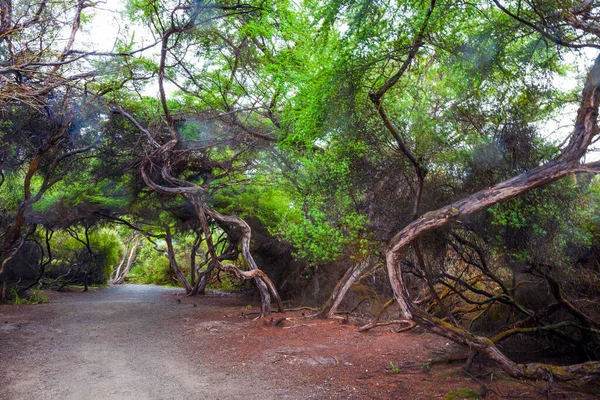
(559,128)
(107,26)
(101,33)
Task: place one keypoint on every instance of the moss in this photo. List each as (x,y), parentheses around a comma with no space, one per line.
(462,393)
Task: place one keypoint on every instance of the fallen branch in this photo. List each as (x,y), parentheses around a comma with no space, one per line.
(374,321)
(370,325)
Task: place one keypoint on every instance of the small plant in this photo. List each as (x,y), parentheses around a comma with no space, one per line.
(394,368)
(14,296)
(36,297)
(225,284)
(249,306)
(426,366)
(462,393)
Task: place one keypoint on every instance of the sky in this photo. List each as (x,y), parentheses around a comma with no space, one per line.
(560,127)
(101,33)
(106,25)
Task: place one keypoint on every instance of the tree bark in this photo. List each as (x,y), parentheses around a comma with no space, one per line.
(202,282)
(195,246)
(565,164)
(173,261)
(116,273)
(265,286)
(121,275)
(5,18)
(341,289)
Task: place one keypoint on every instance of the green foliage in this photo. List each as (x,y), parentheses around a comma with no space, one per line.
(226,283)
(317,238)
(321,226)
(151,267)
(107,247)
(68,252)
(11,191)
(426,366)
(546,223)
(462,393)
(590,210)
(36,297)
(74,198)
(332,178)
(270,203)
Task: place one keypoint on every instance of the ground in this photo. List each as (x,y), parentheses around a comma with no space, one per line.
(148,342)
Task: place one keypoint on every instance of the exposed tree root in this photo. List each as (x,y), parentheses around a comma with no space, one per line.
(375,320)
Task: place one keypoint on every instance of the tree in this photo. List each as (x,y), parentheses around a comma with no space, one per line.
(178,160)
(388,127)
(566,163)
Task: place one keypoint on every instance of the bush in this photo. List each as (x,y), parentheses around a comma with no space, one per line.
(151,267)
(36,297)
(107,248)
(69,252)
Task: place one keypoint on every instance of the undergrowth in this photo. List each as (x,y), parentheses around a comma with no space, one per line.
(36,297)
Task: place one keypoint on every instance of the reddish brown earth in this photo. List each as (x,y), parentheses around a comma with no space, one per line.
(145,342)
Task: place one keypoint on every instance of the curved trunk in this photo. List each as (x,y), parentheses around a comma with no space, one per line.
(121,275)
(171,256)
(201,285)
(565,164)
(264,284)
(195,247)
(341,289)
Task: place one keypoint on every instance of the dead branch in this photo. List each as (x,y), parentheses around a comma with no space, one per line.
(371,325)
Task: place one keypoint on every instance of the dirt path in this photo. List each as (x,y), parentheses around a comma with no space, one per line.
(115,343)
(148,342)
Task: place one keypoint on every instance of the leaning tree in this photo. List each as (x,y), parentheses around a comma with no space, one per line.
(422,84)
(198,144)
(566,26)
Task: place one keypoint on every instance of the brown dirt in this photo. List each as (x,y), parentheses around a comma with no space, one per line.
(147,342)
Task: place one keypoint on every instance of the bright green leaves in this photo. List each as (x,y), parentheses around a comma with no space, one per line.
(70,252)
(302,73)
(11,191)
(326,222)
(151,267)
(317,239)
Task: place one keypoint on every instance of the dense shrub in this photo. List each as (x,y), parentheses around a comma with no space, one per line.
(151,267)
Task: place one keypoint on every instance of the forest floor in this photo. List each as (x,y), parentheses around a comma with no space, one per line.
(148,342)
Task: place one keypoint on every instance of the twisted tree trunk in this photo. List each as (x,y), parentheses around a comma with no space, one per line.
(566,163)
(264,284)
(129,255)
(341,289)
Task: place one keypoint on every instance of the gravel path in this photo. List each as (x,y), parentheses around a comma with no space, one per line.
(113,343)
